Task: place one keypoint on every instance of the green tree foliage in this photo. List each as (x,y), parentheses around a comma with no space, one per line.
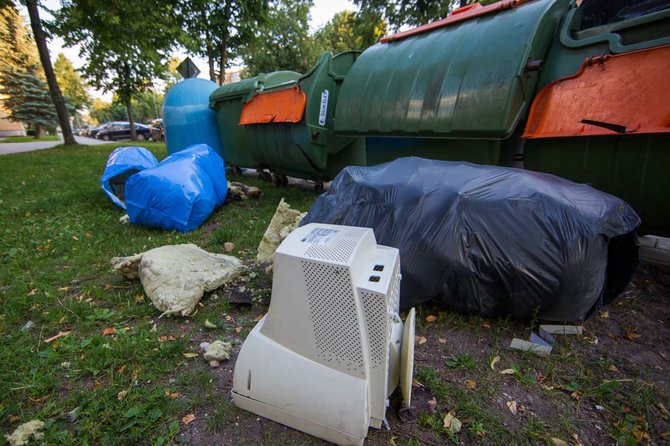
(73,86)
(218,30)
(350,31)
(283,42)
(102,111)
(412,12)
(27,99)
(147,106)
(16,42)
(125,43)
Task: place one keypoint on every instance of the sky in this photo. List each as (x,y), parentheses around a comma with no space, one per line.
(320,14)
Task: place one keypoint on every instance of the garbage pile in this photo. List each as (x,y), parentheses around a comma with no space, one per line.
(490,240)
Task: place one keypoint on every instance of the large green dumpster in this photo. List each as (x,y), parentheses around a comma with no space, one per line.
(227,102)
(454,89)
(288,127)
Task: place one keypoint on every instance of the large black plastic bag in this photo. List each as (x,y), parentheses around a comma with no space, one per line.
(491,240)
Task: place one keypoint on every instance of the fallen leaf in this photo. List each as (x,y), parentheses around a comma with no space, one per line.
(613,368)
(633,336)
(558,442)
(108,331)
(64,289)
(259,317)
(189,354)
(139,298)
(508,372)
(442,340)
(172,395)
(576,441)
(121,369)
(420,340)
(575,395)
(547,387)
(431,318)
(432,404)
(165,338)
(32,292)
(486,325)
(229,246)
(392,441)
(208,324)
(74,237)
(238,329)
(494,361)
(188,419)
(470,384)
(511,405)
(14,418)
(59,335)
(416,383)
(663,355)
(452,423)
(604,314)
(121,395)
(663,410)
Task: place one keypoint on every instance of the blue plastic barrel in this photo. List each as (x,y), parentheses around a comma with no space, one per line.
(187,117)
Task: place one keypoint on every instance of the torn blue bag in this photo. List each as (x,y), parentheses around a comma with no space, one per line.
(180,192)
(121,164)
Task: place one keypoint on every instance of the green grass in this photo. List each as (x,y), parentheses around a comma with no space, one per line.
(58,234)
(30,138)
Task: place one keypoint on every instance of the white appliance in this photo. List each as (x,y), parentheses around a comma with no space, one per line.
(327,355)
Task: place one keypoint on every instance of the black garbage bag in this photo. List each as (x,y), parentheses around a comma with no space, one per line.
(490,240)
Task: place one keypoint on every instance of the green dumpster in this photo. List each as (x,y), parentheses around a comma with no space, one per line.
(227,102)
(287,127)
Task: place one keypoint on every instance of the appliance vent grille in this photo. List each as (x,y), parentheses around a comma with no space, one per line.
(394,297)
(340,249)
(334,316)
(374,309)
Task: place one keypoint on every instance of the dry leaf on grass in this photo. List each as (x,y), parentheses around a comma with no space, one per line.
(188,419)
(432,404)
(208,324)
(452,423)
(259,317)
(604,314)
(663,355)
(508,372)
(238,329)
(494,361)
(633,336)
(172,395)
(613,368)
(431,318)
(512,406)
(416,383)
(470,384)
(442,340)
(121,395)
(558,442)
(420,340)
(189,354)
(108,331)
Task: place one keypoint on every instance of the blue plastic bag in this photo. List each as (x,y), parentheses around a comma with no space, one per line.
(180,192)
(121,164)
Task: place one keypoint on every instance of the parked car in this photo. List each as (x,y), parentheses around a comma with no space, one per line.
(157,130)
(122,131)
(93,133)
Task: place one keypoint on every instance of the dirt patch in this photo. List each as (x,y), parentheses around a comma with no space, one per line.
(610,384)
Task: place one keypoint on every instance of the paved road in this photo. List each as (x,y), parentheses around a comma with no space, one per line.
(17,147)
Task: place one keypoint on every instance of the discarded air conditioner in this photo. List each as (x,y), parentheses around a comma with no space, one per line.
(327,355)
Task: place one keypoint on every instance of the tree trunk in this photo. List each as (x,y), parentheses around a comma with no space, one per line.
(223,49)
(131,118)
(212,72)
(39,131)
(54,89)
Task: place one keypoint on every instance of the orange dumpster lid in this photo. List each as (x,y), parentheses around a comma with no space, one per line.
(625,93)
(286,105)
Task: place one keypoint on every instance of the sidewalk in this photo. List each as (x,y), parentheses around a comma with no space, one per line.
(18,147)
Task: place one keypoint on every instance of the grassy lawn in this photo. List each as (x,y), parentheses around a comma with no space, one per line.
(30,138)
(59,232)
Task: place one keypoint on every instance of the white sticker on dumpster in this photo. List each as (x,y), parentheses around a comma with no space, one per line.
(324,107)
(320,236)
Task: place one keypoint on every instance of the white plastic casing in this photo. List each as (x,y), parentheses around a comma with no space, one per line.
(325,357)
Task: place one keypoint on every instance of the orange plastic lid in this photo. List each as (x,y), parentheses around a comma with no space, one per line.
(276,106)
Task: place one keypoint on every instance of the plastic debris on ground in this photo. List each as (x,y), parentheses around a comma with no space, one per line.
(491,240)
(283,222)
(180,192)
(175,277)
(121,164)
